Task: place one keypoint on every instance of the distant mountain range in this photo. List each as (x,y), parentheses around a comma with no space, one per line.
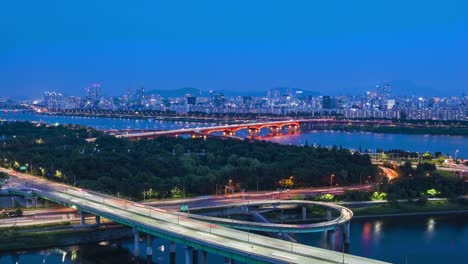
(398,88)
(198,92)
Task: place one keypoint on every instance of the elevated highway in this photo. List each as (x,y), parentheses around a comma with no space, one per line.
(232,244)
(343,219)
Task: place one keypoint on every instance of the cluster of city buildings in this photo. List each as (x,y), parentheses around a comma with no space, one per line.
(379,103)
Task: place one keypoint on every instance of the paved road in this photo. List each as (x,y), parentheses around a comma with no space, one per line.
(344,217)
(215,200)
(154,220)
(391,174)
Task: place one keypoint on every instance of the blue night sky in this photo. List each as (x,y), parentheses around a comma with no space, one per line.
(327,46)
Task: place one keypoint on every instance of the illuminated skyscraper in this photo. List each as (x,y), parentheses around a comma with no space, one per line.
(93,92)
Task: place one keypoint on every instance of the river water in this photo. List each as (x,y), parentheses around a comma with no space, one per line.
(352,140)
(431,239)
(425,239)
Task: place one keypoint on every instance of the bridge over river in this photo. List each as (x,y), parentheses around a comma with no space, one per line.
(194,234)
(252,128)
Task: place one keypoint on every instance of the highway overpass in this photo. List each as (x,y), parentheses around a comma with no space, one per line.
(343,219)
(195,235)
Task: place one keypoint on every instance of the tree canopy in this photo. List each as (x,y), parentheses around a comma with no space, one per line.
(194,166)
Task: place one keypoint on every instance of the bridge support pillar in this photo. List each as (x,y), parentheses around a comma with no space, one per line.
(136,243)
(253,132)
(149,247)
(204,258)
(304,213)
(82,218)
(329,216)
(188,253)
(172,255)
(195,256)
(98,220)
(331,239)
(228,260)
(346,232)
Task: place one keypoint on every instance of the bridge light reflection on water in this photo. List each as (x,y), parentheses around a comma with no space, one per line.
(392,239)
(377,227)
(430,225)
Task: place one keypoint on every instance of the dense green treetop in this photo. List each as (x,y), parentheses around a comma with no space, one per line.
(154,168)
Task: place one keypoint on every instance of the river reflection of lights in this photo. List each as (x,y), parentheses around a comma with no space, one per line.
(377,227)
(430,225)
(366,231)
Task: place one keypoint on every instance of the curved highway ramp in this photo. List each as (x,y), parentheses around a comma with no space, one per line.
(230,243)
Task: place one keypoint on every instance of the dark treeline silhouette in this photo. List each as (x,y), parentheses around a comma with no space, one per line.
(166,167)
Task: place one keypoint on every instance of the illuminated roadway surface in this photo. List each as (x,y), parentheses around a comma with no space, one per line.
(345,216)
(238,245)
(391,174)
(213,200)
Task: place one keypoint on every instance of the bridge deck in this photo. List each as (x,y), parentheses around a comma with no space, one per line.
(345,216)
(238,245)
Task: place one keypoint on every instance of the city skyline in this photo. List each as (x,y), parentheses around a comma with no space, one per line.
(333,48)
(378,103)
(211,131)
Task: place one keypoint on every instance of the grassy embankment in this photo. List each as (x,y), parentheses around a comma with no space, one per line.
(409,208)
(38,236)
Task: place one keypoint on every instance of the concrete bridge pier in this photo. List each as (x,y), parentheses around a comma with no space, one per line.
(253,132)
(98,220)
(329,216)
(304,213)
(274,130)
(331,239)
(228,133)
(204,259)
(194,256)
(346,232)
(136,243)
(292,129)
(188,254)
(228,261)
(149,247)
(172,255)
(82,218)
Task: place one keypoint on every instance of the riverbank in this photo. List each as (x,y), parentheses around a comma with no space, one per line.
(453,128)
(410,208)
(409,129)
(58,235)
(193,119)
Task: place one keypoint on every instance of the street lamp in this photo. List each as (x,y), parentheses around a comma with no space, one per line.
(12,202)
(456,153)
(331,180)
